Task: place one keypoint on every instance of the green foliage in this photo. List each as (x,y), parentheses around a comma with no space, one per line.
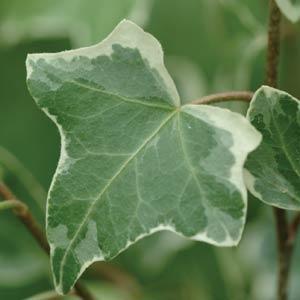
(290,8)
(209,46)
(212,34)
(85,22)
(274,167)
(126,147)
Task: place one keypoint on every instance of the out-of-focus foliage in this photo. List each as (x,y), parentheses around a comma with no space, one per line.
(290,8)
(84,22)
(211,46)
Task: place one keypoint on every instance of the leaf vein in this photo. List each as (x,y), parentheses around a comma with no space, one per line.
(107,186)
(125,99)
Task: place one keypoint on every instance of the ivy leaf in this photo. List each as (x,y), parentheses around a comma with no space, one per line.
(290,8)
(133,160)
(273,169)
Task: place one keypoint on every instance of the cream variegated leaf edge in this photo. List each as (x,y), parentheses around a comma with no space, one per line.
(128,35)
(218,217)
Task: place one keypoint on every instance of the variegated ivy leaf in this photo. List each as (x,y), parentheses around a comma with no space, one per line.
(290,8)
(273,169)
(133,160)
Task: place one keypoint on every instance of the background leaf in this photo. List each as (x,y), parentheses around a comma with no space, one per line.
(273,174)
(85,22)
(290,8)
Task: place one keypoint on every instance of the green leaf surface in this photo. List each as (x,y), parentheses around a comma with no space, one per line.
(133,160)
(273,169)
(290,8)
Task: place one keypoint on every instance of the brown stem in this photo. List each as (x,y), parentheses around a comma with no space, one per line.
(33,227)
(245,96)
(26,218)
(13,204)
(293,229)
(285,251)
(82,291)
(26,178)
(273,50)
(284,245)
(117,277)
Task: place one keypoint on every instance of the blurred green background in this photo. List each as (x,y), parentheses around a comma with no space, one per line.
(210,46)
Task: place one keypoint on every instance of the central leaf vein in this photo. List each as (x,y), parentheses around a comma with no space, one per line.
(125,99)
(195,177)
(285,150)
(123,166)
